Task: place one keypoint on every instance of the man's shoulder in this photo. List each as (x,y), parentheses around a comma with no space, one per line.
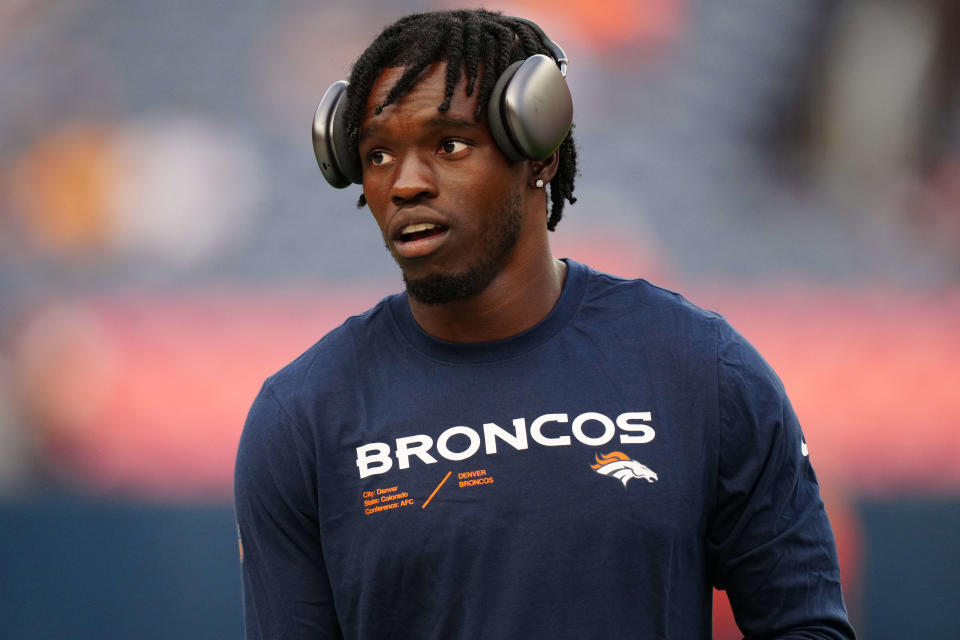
(641,296)
(332,357)
(664,316)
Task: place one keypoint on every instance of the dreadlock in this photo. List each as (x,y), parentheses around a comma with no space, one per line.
(468,41)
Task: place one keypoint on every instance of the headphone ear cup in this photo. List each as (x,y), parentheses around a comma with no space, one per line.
(331,145)
(530,110)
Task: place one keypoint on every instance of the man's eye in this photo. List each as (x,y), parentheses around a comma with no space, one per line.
(453,146)
(380,157)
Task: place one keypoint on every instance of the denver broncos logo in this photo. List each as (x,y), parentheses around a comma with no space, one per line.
(620,466)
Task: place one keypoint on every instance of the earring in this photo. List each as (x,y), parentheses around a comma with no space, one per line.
(539,184)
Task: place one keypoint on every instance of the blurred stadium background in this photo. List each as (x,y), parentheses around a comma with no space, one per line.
(167,241)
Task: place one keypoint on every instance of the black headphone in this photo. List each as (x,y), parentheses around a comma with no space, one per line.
(529,114)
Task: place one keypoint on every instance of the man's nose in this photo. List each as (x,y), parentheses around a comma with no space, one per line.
(414,179)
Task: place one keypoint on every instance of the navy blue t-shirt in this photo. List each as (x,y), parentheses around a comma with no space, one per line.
(594,476)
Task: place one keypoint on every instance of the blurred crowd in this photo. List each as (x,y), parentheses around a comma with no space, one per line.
(166,240)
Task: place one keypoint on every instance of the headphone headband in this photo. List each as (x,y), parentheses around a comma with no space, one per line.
(558,53)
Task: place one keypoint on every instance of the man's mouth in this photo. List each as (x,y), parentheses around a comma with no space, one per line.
(420,239)
(419,231)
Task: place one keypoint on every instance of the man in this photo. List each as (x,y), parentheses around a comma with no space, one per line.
(517,447)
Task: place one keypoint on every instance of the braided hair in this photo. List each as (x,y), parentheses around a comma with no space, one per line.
(468,41)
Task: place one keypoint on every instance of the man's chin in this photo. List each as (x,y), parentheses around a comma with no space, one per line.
(441,288)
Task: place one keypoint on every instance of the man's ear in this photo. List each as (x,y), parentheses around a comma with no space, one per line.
(543,170)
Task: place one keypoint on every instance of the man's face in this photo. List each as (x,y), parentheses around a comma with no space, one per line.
(447,201)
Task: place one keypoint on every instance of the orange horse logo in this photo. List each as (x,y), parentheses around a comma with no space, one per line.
(620,466)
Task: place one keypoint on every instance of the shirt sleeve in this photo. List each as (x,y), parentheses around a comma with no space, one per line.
(770,543)
(286,591)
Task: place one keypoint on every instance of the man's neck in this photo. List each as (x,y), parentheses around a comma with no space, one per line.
(514,301)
